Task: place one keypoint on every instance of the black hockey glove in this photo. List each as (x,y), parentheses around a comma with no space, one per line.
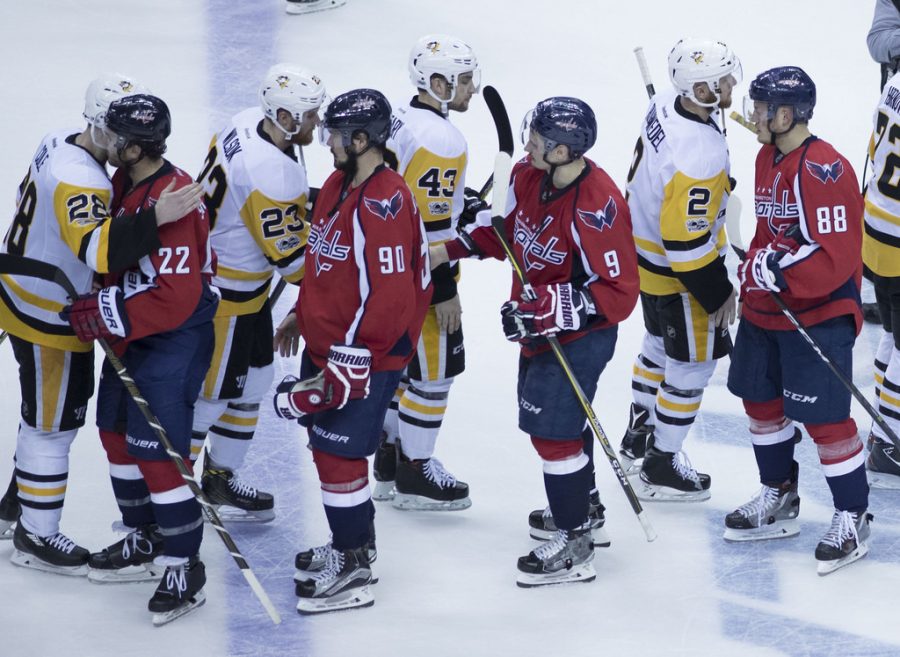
(472,205)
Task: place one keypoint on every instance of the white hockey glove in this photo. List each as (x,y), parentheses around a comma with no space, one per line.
(760,271)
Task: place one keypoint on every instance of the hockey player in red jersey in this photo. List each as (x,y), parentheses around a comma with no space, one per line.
(807,249)
(158,316)
(361,307)
(571,229)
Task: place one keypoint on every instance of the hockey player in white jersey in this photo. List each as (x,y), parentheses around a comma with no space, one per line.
(881,254)
(62,217)
(256,195)
(678,188)
(431,156)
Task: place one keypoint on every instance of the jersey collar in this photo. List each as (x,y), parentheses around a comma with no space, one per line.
(415,103)
(679,109)
(289,151)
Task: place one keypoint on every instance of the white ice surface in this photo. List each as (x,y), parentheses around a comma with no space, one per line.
(448,581)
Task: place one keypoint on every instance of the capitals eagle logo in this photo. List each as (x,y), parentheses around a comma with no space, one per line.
(825,172)
(385,209)
(601,219)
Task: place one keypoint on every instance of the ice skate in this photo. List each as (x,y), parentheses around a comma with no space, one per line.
(425,485)
(566,558)
(384,469)
(235,500)
(130,559)
(9,514)
(342,583)
(312,561)
(634,443)
(772,513)
(542,527)
(180,590)
(883,465)
(56,554)
(312,6)
(845,542)
(669,477)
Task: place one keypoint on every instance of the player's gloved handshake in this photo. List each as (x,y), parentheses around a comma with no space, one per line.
(761,270)
(99,316)
(472,205)
(558,307)
(345,377)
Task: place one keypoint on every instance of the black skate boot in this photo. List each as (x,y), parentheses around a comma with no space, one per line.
(180,590)
(384,468)
(772,513)
(424,485)
(9,510)
(566,558)
(343,583)
(634,443)
(845,542)
(129,560)
(311,561)
(237,501)
(669,477)
(542,527)
(883,465)
(53,554)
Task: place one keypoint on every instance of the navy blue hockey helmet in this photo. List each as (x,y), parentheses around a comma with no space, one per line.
(365,110)
(786,86)
(565,120)
(140,119)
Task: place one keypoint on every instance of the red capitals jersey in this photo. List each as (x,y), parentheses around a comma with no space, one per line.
(815,186)
(166,288)
(580,234)
(368,277)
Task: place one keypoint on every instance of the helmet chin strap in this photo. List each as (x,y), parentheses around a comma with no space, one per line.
(445,103)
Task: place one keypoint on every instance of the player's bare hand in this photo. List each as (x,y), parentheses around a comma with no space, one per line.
(438,255)
(449,314)
(727,313)
(287,337)
(173,205)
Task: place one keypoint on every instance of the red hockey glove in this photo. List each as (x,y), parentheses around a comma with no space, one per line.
(294,398)
(558,307)
(760,271)
(788,240)
(99,316)
(345,377)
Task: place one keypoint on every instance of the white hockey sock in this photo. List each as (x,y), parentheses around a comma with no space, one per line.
(422,409)
(42,474)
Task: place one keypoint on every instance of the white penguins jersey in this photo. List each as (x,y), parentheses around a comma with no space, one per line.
(432,155)
(62,217)
(881,236)
(678,188)
(256,197)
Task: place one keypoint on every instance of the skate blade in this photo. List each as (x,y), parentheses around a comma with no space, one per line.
(300,10)
(127,575)
(827,567)
(234,514)
(26,560)
(384,491)
(883,481)
(406,502)
(361,597)
(650,493)
(784,529)
(631,466)
(598,535)
(583,573)
(6,530)
(165,617)
(303,575)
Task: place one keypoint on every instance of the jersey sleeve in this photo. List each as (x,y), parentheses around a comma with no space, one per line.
(691,235)
(280,230)
(831,209)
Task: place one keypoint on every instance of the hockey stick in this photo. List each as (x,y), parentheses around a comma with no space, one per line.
(502,171)
(733,228)
(276,293)
(22,266)
(504,130)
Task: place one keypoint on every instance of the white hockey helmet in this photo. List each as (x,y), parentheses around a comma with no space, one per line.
(440,54)
(293,89)
(694,60)
(105,89)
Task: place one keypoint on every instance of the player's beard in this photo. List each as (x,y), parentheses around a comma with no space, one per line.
(348,166)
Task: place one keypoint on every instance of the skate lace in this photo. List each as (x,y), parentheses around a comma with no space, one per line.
(61,542)
(136,543)
(436,472)
(547,513)
(760,505)
(843,528)
(552,547)
(333,566)
(239,487)
(176,580)
(683,467)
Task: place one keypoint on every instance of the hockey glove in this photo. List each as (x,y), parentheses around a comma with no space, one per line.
(788,240)
(760,271)
(472,205)
(294,398)
(345,377)
(558,307)
(99,316)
